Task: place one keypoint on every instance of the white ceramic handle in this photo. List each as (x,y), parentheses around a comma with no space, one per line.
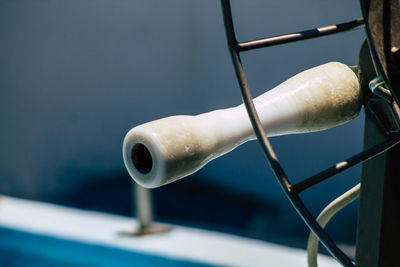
(162,151)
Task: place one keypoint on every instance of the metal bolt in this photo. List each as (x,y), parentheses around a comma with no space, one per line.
(396,55)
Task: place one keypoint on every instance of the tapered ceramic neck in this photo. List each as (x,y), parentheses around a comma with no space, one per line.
(162,151)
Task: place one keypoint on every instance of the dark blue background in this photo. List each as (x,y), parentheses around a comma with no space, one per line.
(76,75)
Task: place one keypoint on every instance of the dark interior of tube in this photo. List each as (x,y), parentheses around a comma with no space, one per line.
(141,158)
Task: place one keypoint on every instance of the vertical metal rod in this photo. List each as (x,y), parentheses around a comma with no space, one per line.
(143,203)
(144,209)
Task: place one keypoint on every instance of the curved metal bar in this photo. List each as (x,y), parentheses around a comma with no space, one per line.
(300,36)
(376,150)
(266,145)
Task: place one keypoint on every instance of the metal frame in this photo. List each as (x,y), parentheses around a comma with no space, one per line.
(382,19)
(292,191)
(378,231)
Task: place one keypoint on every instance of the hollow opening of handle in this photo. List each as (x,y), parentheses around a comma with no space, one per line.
(141,158)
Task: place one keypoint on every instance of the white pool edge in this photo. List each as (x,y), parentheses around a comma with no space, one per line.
(181,243)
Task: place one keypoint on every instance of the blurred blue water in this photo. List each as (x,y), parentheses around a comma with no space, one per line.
(20,249)
(75,76)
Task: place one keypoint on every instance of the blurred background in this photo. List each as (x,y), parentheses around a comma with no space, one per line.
(76,75)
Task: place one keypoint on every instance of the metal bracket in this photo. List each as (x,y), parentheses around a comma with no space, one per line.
(378,99)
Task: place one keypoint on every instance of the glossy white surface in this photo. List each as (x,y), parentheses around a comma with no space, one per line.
(313,100)
(181,243)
